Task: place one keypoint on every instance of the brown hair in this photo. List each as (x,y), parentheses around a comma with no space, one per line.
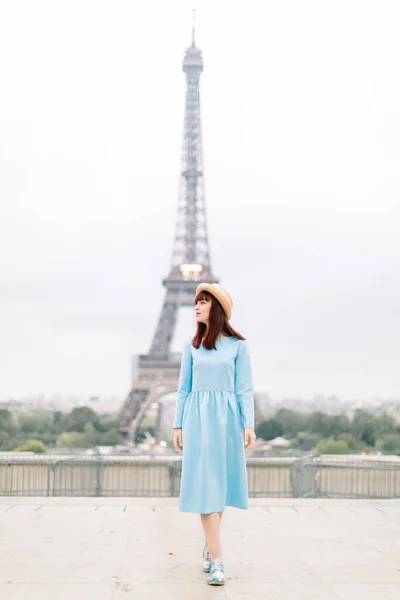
(218,323)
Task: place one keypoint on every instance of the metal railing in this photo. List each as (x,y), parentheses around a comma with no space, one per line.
(149,477)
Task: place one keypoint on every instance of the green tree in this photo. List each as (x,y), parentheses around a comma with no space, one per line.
(109,423)
(31,446)
(91,435)
(49,439)
(350,439)
(72,439)
(333,447)
(363,426)
(7,445)
(28,424)
(385,424)
(4,436)
(7,421)
(81,416)
(320,423)
(368,436)
(307,441)
(270,429)
(292,421)
(57,414)
(112,437)
(390,443)
(339,424)
(38,422)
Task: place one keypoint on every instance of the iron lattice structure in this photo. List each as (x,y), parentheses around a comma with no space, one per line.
(158,373)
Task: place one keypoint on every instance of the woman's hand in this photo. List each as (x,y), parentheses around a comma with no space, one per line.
(249,438)
(178,439)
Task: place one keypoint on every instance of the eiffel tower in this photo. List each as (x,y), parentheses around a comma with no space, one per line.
(158,372)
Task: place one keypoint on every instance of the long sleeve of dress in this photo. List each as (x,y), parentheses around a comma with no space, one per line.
(184,385)
(244,384)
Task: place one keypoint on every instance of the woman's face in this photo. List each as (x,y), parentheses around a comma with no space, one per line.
(202,309)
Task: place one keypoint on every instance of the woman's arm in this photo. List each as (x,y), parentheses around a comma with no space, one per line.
(184,385)
(244,384)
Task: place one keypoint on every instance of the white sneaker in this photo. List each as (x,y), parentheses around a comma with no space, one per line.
(206,560)
(216,576)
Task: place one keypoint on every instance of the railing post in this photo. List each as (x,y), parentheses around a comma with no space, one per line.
(171,476)
(48,478)
(303,478)
(99,472)
(173,470)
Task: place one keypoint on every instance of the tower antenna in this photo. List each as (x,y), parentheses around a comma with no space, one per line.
(194,28)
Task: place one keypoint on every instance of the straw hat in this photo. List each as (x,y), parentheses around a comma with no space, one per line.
(220,294)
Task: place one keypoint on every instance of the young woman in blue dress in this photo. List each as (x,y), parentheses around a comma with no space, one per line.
(214,420)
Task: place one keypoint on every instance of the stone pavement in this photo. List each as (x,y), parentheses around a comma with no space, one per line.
(144,549)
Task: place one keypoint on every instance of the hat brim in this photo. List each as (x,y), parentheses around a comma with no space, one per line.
(222,296)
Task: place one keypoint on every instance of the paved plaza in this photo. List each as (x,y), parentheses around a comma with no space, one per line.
(122,548)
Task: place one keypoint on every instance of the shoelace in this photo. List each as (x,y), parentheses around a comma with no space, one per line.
(217,565)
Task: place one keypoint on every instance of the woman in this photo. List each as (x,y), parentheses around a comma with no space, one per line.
(214,420)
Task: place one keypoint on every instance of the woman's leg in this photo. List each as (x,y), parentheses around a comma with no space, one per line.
(205,536)
(212,533)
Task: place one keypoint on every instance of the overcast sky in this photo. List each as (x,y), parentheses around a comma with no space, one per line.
(301,128)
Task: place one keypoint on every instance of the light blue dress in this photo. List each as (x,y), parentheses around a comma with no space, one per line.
(214,404)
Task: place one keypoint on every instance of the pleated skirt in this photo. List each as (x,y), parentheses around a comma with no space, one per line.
(213,462)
